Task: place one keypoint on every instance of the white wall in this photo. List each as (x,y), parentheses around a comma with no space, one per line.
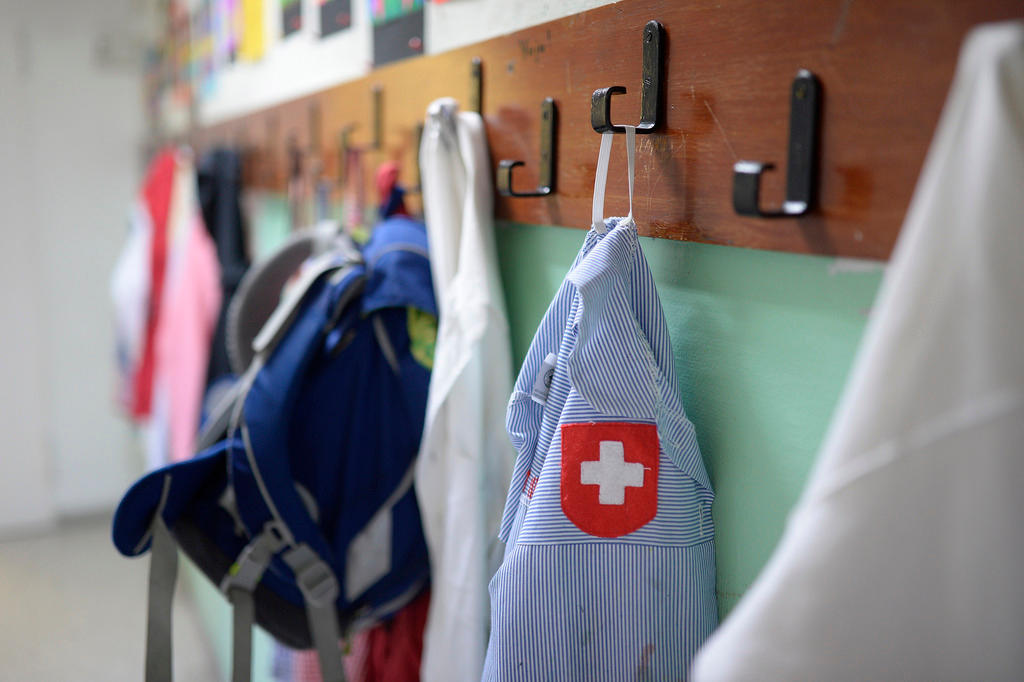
(462,22)
(71,135)
(303,63)
(25,484)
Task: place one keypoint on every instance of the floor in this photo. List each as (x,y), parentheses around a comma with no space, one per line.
(72,608)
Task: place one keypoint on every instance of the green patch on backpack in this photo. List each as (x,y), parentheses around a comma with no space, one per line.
(422,328)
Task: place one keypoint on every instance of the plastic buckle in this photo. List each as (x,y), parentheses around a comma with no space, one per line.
(250,565)
(274,536)
(314,577)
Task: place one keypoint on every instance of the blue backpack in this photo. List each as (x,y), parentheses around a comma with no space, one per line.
(303,511)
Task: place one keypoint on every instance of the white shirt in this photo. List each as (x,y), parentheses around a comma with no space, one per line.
(904,557)
(465,459)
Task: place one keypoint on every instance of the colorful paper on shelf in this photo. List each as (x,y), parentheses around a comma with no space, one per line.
(253,43)
(382,11)
(397,29)
(202,49)
(291,16)
(335,15)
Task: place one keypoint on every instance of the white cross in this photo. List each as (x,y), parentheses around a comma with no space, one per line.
(612,473)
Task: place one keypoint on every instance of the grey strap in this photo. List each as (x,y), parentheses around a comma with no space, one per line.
(284,314)
(384,342)
(241,634)
(217,423)
(238,584)
(323,622)
(163,572)
(320,591)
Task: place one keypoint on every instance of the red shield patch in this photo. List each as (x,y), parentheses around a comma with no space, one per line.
(609,476)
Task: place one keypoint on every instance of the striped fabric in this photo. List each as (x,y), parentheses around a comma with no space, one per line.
(568,604)
(303,665)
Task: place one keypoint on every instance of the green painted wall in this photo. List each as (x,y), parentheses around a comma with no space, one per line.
(763,342)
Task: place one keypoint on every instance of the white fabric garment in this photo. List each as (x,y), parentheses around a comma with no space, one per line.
(465,459)
(129,291)
(904,558)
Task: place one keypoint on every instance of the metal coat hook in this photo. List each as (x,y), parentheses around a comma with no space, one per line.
(344,144)
(240,142)
(314,128)
(295,159)
(801,170)
(271,151)
(476,90)
(601,101)
(378,117)
(244,152)
(547,158)
(418,136)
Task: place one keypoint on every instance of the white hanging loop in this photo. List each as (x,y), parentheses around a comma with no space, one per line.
(601,182)
(601,177)
(631,160)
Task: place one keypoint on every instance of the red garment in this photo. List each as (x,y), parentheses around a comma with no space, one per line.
(156,194)
(391,202)
(396,646)
(389,652)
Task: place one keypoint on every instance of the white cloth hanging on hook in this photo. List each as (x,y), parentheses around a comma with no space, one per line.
(465,459)
(903,558)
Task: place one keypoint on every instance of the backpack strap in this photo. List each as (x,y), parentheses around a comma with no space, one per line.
(384,343)
(320,591)
(314,577)
(216,427)
(243,613)
(238,585)
(280,321)
(163,574)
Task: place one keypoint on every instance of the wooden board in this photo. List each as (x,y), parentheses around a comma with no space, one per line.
(885,68)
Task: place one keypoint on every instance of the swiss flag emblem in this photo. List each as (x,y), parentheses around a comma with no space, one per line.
(609,476)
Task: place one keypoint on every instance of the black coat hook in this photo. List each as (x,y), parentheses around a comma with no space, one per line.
(295,157)
(270,152)
(344,145)
(378,116)
(601,101)
(418,138)
(476,88)
(547,158)
(801,171)
(313,114)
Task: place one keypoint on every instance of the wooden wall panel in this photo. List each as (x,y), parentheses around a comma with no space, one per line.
(885,68)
